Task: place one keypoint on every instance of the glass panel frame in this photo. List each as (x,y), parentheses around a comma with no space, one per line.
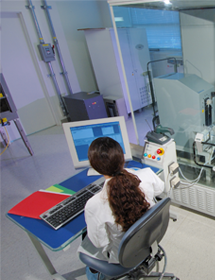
(195,157)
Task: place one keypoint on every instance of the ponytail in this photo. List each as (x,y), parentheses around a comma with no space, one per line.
(126,200)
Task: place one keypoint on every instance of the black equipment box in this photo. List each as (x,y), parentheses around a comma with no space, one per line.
(85,106)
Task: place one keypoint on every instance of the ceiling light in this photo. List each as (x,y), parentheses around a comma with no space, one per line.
(167,2)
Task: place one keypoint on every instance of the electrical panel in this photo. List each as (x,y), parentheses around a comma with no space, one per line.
(46,52)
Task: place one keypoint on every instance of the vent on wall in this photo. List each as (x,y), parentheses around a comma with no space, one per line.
(197,197)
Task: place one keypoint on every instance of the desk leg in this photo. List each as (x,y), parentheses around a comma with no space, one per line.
(24,137)
(45,259)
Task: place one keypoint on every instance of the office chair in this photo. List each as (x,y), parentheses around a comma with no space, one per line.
(139,250)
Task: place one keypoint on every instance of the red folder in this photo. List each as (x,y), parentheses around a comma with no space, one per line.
(37,203)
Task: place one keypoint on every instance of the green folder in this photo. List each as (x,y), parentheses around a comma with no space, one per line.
(59,189)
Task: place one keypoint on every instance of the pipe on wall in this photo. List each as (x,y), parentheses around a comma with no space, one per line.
(52,75)
(56,43)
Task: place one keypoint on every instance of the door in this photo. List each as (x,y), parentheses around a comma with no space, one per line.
(22,76)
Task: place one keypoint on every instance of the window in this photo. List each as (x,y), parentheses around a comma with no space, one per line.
(162,26)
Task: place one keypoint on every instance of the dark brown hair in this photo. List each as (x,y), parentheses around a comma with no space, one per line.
(126,200)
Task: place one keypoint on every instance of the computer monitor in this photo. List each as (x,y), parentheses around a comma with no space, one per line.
(79,136)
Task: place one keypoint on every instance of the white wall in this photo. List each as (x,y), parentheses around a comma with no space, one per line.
(79,15)
(198,43)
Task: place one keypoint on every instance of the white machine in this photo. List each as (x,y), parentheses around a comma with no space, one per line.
(163,157)
(160,151)
(186,104)
(102,46)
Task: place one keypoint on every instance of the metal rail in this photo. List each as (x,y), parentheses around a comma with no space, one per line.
(56,43)
(151,78)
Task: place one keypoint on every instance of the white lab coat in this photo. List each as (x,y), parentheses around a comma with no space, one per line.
(103,234)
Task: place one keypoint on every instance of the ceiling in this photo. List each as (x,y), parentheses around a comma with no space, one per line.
(190,4)
(174,4)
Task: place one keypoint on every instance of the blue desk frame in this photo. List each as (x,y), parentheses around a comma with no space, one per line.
(41,233)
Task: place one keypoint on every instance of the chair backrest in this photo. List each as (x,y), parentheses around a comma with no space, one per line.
(136,243)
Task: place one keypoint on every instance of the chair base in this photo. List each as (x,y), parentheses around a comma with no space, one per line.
(141,276)
(156,275)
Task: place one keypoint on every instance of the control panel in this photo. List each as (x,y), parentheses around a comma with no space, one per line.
(154,152)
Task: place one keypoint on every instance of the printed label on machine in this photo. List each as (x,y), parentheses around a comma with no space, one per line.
(163,139)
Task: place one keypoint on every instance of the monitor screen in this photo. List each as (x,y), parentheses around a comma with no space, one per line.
(79,136)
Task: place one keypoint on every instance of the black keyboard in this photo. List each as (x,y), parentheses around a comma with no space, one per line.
(72,206)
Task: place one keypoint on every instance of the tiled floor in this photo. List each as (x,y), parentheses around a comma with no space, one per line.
(189,242)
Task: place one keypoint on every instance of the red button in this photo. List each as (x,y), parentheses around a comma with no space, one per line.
(153,157)
(159,151)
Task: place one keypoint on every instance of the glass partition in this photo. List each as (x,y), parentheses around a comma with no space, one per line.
(168,53)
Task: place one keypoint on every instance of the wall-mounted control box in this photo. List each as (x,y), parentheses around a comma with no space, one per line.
(46,52)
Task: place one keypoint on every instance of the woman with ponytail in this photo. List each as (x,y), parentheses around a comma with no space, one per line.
(126,195)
